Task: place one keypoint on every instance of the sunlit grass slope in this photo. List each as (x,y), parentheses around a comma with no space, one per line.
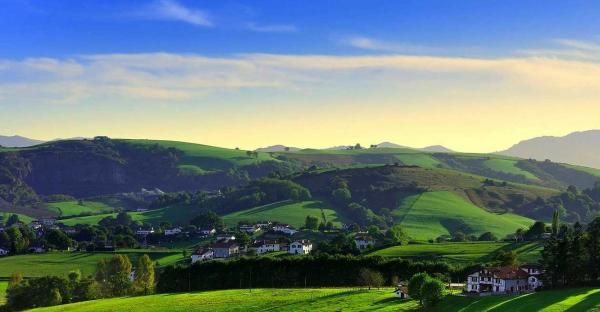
(431,214)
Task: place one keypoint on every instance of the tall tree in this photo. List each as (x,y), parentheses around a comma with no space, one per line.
(144,275)
(113,275)
(555,222)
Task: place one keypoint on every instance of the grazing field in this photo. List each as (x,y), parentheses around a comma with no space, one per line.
(174,214)
(73,208)
(3,285)
(288,211)
(61,263)
(5,215)
(508,166)
(200,158)
(431,214)
(463,252)
(339,299)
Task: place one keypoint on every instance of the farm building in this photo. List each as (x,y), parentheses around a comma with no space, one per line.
(3,252)
(505,280)
(202,255)
(301,247)
(250,229)
(364,241)
(285,229)
(173,231)
(226,249)
(265,246)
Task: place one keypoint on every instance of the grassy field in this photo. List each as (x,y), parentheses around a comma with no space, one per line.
(5,215)
(3,285)
(431,214)
(462,252)
(61,263)
(508,166)
(200,158)
(289,212)
(339,299)
(173,214)
(73,208)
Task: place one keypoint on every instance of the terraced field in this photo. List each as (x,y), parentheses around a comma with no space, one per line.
(431,214)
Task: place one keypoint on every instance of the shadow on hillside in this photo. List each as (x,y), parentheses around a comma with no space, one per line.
(537,301)
(586,304)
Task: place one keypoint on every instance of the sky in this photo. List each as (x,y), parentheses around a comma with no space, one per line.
(474,76)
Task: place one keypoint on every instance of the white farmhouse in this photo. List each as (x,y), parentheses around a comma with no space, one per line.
(250,229)
(364,241)
(3,252)
(301,247)
(202,255)
(506,280)
(207,232)
(285,229)
(265,246)
(173,231)
(144,232)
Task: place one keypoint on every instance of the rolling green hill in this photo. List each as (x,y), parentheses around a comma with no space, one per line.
(339,299)
(61,263)
(3,286)
(288,212)
(431,214)
(198,158)
(467,252)
(73,208)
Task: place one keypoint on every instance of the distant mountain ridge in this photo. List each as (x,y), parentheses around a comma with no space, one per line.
(277,148)
(578,148)
(18,141)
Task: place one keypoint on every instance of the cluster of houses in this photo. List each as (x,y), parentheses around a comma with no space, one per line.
(39,228)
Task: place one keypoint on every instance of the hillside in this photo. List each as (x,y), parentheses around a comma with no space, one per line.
(578,148)
(339,299)
(431,214)
(18,141)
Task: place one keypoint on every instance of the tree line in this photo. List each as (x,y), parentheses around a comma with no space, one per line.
(571,257)
(310,271)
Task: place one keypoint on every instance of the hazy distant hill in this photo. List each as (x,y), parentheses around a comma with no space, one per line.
(436,149)
(579,148)
(276,148)
(18,141)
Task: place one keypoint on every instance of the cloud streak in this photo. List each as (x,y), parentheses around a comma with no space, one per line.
(171,10)
(272,28)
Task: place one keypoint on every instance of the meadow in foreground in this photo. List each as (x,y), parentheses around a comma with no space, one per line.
(338,299)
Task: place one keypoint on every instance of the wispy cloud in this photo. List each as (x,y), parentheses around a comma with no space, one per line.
(171,10)
(366,43)
(568,49)
(272,28)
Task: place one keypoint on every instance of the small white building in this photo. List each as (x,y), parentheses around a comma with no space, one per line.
(202,255)
(173,231)
(47,221)
(250,229)
(3,252)
(265,246)
(301,247)
(226,249)
(207,232)
(36,249)
(264,224)
(132,275)
(364,241)
(401,292)
(285,229)
(144,232)
(225,237)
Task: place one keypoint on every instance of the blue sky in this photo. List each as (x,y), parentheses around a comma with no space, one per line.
(64,28)
(303,73)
